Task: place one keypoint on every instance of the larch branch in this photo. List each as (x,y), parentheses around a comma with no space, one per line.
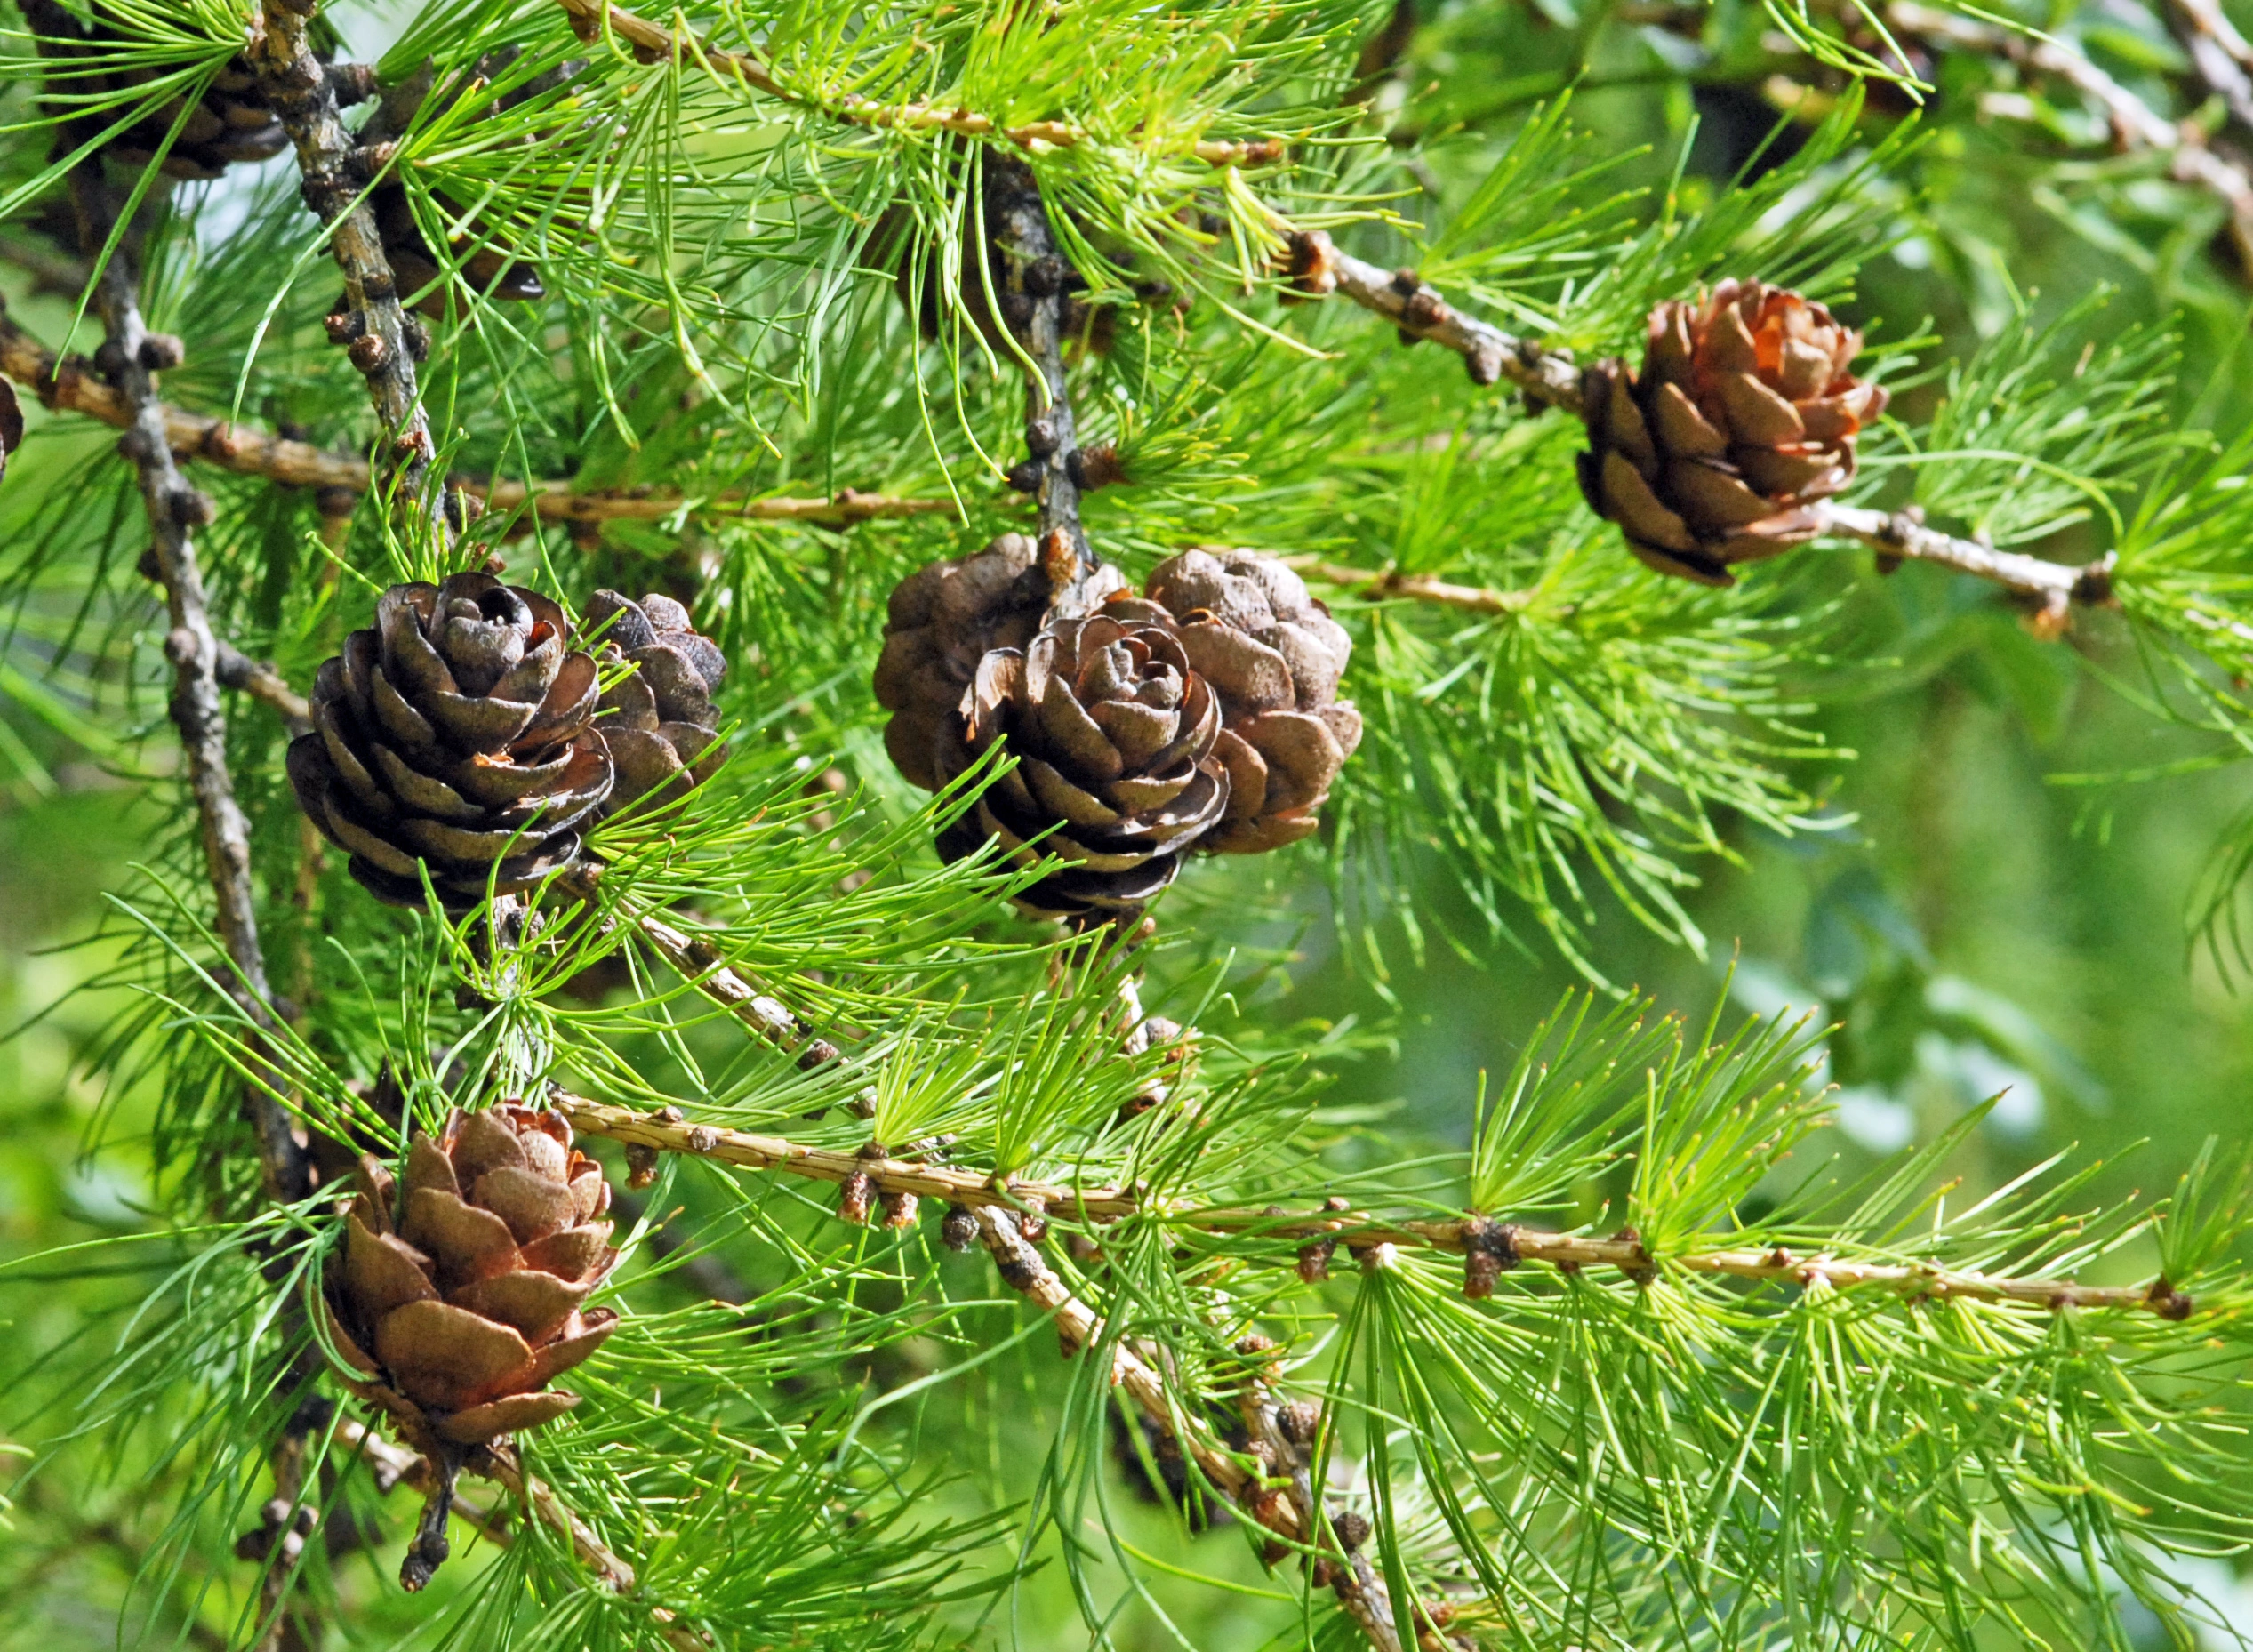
(979,1190)
(1268,1487)
(656,43)
(71,385)
(133,355)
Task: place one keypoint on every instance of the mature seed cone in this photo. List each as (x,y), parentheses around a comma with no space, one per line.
(229,123)
(1743,417)
(1274,655)
(456,736)
(659,720)
(460,1296)
(1200,716)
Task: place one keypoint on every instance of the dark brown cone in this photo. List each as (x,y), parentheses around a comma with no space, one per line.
(1274,656)
(1113,732)
(658,722)
(459,1295)
(1204,716)
(942,621)
(456,736)
(229,121)
(1744,415)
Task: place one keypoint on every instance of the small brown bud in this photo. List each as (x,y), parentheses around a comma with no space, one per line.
(149,567)
(161,352)
(1314,1260)
(899,1208)
(191,507)
(1313,267)
(853,1198)
(1425,310)
(1024,476)
(1489,1247)
(702,1138)
(416,336)
(819,1053)
(369,353)
(958,1231)
(1298,1421)
(1352,1530)
(641,1165)
(344,324)
(1484,363)
(1033,1223)
(1091,468)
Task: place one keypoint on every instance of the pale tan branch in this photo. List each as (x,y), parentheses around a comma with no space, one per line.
(2052,588)
(980,1191)
(71,386)
(1552,377)
(262,683)
(657,43)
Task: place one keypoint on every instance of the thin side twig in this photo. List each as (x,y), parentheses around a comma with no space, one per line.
(294,85)
(979,1190)
(1035,276)
(394,1466)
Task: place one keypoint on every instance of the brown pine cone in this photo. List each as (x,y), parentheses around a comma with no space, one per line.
(1114,734)
(1744,415)
(459,1300)
(229,123)
(455,736)
(943,618)
(1274,656)
(658,721)
(1203,715)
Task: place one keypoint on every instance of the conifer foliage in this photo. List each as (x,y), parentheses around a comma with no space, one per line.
(1100,474)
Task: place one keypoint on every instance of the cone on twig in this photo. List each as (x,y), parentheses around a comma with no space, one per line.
(460,1294)
(1200,716)
(1743,416)
(454,737)
(658,721)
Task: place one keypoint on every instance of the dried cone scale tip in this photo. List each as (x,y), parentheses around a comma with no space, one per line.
(1200,716)
(1743,416)
(456,734)
(459,1299)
